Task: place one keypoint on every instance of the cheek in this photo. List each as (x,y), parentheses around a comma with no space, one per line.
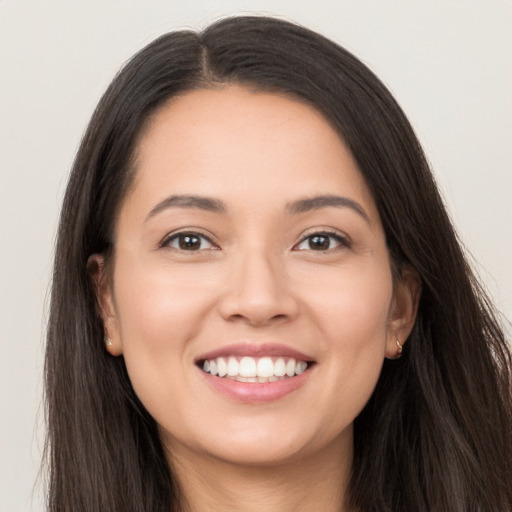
(159,312)
(156,305)
(352,307)
(352,314)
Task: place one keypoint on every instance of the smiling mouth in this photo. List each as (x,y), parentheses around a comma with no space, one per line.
(254,369)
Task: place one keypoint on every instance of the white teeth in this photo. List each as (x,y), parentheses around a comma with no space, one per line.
(233,367)
(265,367)
(301,366)
(280,367)
(250,369)
(222,367)
(290,368)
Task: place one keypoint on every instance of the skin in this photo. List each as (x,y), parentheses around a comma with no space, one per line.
(255,279)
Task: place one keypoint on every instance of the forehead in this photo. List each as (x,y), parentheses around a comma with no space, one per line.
(232,141)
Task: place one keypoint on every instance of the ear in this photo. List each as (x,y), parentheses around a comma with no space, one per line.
(105,302)
(403,310)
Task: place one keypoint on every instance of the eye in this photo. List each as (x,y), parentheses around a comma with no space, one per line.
(322,241)
(189,241)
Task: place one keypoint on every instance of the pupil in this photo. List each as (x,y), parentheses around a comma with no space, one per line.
(188,242)
(319,242)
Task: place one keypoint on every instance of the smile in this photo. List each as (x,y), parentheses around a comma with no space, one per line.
(254,369)
(255,373)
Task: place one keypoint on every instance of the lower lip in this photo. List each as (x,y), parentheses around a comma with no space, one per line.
(255,392)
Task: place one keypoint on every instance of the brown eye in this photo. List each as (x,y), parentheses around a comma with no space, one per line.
(189,242)
(322,242)
(319,242)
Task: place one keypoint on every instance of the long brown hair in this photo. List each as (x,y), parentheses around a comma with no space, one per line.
(436,434)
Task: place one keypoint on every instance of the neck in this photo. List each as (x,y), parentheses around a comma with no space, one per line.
(314,482)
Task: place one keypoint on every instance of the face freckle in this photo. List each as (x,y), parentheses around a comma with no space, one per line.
(249,232)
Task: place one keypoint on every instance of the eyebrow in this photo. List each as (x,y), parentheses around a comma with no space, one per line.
(325,201)
(211,204)
(188,201)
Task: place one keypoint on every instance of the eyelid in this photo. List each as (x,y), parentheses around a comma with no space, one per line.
(188,231)
(343,239)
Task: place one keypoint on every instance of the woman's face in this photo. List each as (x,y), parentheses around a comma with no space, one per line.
(250,241)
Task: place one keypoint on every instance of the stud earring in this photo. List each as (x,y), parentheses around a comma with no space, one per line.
(108,341)
(400,348)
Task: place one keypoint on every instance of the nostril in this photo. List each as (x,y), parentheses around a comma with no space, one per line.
(257,294)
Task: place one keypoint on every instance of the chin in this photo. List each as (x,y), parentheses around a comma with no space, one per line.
(260,443)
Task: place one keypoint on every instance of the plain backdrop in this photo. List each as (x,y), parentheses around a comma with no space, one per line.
(448,62)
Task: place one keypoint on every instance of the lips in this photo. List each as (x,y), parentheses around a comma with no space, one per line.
(255,373)
(253,350)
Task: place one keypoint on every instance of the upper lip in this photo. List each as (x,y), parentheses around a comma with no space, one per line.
(255,350)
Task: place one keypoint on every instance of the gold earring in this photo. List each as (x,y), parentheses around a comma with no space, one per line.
(400,348)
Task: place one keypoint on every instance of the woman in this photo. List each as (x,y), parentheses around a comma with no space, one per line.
(259,302)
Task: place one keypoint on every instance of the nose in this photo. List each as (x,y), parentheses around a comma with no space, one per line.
(257,292)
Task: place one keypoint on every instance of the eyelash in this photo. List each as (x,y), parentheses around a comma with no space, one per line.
(340,240)
(192,234)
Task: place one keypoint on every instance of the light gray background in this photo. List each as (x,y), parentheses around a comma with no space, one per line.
(448,62)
